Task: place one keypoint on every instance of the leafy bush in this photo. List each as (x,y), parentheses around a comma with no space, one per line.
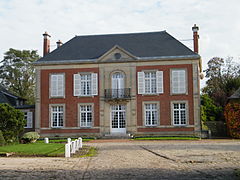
(12,122)
(30,137)
(2,140)
(232,116)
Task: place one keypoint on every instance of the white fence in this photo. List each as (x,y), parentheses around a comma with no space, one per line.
(72,146)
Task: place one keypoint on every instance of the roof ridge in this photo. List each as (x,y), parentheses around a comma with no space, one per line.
(151,32)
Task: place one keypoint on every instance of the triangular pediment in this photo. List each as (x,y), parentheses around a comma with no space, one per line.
(116,54)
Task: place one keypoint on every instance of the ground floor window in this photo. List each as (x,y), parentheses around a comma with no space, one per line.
(57,113)
(86,115)
(29,119)
(151,114)
(179,113)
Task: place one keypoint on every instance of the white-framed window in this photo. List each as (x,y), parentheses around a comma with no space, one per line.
(150,82)
(57,85)
(57,116)
(85,84)
(29,119)
(151,114)
(179,81)
(86,115)
(179,113)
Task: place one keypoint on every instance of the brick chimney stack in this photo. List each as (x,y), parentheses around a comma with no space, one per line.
(195,29)
(46,43)
(59,43)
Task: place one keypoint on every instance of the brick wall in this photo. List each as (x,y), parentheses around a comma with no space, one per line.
(70,101)
(166,98)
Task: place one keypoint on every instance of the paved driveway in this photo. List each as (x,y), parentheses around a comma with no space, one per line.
(125,159)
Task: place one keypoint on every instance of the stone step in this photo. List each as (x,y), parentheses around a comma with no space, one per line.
(116,136)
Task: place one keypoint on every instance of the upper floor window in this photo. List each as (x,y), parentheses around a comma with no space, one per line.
(179,82)
(57,85)
(150,82)
(85,84)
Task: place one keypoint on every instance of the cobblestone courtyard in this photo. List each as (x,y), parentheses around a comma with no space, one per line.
(126,159)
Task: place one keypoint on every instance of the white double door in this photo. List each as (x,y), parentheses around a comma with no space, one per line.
(118,119)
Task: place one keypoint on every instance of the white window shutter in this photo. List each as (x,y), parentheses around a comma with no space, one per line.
(60,85)
(94,84)
(141,83)
(76,85)
(54,85)
(182,81)
(179,81)
(29,119)
(159,78)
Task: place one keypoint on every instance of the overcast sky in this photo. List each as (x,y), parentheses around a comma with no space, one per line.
(24,21)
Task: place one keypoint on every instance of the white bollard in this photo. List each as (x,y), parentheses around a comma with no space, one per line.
(46,140)
(68,140)
(80,142)
(67,150)
(73,147)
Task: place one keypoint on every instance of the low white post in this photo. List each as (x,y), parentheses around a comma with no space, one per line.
(46,140)
(67,150)
(80,142)
(73,147)
(68,140)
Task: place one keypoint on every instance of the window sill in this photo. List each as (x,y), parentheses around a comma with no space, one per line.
(56,97)
(57,127)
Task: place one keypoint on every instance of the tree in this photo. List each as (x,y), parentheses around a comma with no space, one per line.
(223,79)
(17,73)
(209,111)
(12,122)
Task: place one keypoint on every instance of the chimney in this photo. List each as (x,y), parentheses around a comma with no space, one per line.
(59,43)
(46,43)
(195,29)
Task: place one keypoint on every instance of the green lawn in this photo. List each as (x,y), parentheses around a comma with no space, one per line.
(35,149)
(166,138)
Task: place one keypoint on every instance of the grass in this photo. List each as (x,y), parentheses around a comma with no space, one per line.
(35,149)
(166,138)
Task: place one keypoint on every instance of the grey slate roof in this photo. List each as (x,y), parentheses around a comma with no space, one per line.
(7,97)
(142,45)
(236,94)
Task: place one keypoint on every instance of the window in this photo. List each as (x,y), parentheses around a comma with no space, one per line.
(57,113)
(57,85)
(151,114)
(28,117)
(179,113)
(85,84)
(179,82)
(86,115)
(150,82)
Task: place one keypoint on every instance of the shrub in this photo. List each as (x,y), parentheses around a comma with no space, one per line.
(232,116)
(12,122)
(30,137)
(2,140)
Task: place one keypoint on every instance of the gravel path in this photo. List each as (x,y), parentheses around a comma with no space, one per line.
(126,159)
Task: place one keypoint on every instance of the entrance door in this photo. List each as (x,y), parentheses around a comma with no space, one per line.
(117,85)
(118,119)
